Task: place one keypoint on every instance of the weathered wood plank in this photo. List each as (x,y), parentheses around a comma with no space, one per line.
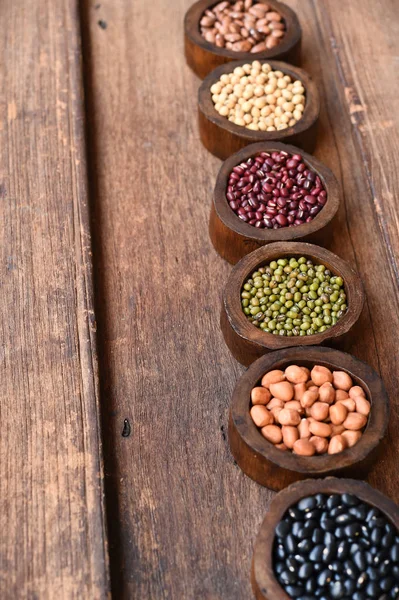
(182,516)
(52,542)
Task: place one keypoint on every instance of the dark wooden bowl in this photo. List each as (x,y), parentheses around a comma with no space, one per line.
(275,469)
(245,341)
(264,582)
(202,57)
(222,137)
(233,239)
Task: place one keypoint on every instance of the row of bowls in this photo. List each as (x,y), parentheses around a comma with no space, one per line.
(237,241)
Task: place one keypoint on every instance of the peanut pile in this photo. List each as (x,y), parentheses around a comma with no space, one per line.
(310,412)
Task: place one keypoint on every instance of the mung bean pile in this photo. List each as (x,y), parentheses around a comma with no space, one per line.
(293,297)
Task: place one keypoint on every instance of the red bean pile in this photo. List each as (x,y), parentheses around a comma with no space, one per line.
(275,190)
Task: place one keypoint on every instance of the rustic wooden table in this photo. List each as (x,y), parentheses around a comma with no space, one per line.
(182,518)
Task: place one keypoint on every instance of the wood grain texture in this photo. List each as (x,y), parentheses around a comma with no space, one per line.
(182,516)
(53,542)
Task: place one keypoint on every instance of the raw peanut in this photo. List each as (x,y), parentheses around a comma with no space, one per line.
(221,6)
(261,416)
(320,429)
(356,390)
(219,40)
(275,402)
(271,42)
(309,398)
(327,393)
(342,381)
(337,429)
(341,395)
(261,22)
(295,374)
(294,405)
(273,16)
(338,413)
(362,406)
(321,375)
(276,33)
(282,447)
(276,25)
(260,395)
(210,36)
(243,46)
(304,448)
(349,403)
(263,29)
(283,390)
(289,417)
(272,377)
(351,437)
(275,412)
(299,390)
(307,371)
(259,47)
(207,21)
(337,444)
(320,444)
(303,429)
(290,435)
(313,388)
(272,433)
(232,37)
(319,411)
(355,421)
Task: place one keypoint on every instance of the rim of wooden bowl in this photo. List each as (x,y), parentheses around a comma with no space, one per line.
(249,263)
(310,114)
(234,223)
(292,35)
(264,582)
(361,373)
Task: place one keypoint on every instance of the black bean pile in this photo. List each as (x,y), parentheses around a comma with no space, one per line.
(337,546)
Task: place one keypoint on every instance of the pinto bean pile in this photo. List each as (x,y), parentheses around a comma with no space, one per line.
(244,26)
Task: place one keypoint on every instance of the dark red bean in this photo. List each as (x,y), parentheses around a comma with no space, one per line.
(281,220)
(292,191)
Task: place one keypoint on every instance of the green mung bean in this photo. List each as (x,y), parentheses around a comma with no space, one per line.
(293,297)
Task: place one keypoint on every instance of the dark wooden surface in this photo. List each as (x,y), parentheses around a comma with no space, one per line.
(182,516)
(52,540)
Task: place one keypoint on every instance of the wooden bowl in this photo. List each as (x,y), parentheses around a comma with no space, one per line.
(264,582)
(233,239)
(275,469)
(202,57)
(222,137)
(245,341)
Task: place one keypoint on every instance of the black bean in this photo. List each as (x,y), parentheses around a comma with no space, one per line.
(327,524)
(350,569)
(388,539)
(360,560)
(395,592)
(376,535)
(353,530)
(306,570)
(383,569)
(373,589)
(360,596)
(359,512)
(349,586)
(307,504)
(343,550)
(280,552)
(283,529)
(336,589)
(350,500)
(333,501)
(305,546)
(318,536)
(290,544)
(387,583)
(394,553)
(340,533)
(287,577)
(311,524)
(362,580)
(329,552)
(311,585)
(336,566)
(344,519)
(295,514)
(304,533)
(324,577)
(279,566)
(292,564)
(296,528)
(339,510)
(294,591)
(317,553)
